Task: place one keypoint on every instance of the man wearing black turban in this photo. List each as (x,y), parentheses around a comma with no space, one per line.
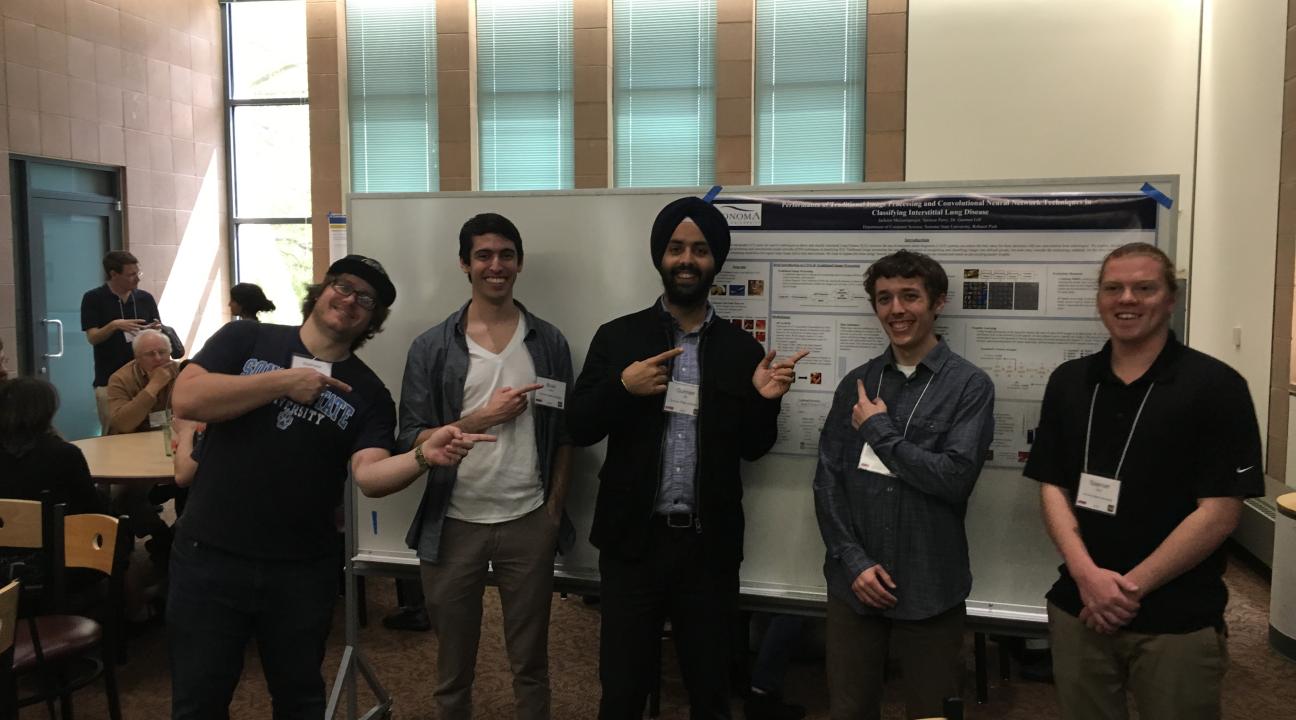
(682,396)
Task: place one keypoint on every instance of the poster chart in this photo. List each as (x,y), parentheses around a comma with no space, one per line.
(1022,273)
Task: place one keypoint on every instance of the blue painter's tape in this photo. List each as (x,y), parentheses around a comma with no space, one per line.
(1162,199)
(712,193)
(374,517)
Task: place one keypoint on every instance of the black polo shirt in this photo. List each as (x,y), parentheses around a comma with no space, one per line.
(1197,437)
(101,306)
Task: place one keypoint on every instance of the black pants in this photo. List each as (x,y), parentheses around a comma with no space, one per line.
(218,602)
(637,595)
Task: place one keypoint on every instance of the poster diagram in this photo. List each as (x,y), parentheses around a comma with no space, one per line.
(1022,271)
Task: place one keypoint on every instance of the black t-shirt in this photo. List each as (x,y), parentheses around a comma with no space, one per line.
(1197,437)
(100,307)
(269,481)
(52,464)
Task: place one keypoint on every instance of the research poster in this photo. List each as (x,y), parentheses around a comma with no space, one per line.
(1022,268)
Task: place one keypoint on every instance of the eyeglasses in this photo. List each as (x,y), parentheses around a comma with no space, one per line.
(346,289)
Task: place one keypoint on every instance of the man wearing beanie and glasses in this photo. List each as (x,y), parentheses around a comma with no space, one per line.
(288,410)
(682,396)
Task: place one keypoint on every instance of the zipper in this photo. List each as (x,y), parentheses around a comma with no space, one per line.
(697,441)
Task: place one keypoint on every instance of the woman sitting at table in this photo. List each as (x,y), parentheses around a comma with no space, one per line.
(33,458)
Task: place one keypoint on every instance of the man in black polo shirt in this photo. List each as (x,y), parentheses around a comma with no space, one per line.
(111,316)
(1144,453)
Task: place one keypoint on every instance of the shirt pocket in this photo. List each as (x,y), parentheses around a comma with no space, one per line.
(928,433)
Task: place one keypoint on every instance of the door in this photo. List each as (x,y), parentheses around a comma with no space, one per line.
(68,218)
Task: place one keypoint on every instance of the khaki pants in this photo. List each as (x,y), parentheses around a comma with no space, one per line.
(1172,676)
(101,405)
(931,658)
(521,552)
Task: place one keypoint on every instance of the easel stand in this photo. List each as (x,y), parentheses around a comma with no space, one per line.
(352,658)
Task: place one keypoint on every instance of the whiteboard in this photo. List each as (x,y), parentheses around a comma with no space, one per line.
(587,261)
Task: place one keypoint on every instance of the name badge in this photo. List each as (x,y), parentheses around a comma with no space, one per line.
(682,398)
(130,335)
(320,366)
(553,393)
(870,461)
(157,419)
(1098,493)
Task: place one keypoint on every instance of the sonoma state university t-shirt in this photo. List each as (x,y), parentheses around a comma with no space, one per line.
(270,480)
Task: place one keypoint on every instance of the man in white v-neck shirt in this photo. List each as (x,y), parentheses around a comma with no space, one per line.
(492,364)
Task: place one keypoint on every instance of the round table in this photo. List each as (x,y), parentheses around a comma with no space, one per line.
(133,457)
(1282,588)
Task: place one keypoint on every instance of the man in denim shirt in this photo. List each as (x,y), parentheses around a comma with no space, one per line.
(900,451)
(481,368)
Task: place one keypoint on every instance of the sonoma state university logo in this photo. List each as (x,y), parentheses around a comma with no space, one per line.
(741,214)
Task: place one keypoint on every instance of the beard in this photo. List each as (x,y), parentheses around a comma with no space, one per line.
(684,295)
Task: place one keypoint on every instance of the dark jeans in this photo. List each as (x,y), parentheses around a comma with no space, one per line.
(219,601)
(776,652)
(672,581)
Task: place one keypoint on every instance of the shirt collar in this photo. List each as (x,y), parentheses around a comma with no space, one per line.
(670,319)
(462,314)
(934,360)
(1161,371)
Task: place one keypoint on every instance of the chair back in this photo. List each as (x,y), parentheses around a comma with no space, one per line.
(8,615)
(91,541)
(21,524)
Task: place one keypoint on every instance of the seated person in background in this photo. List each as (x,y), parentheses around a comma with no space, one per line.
(247,300)
(33,458)
(139,394)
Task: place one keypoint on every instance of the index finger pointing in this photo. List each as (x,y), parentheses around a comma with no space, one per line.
(797,358)
(863,394)
(663,357)
(334,382)
(527,388)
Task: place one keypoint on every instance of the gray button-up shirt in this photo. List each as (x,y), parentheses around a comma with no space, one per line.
(934,437)
(432,394)
(679,451)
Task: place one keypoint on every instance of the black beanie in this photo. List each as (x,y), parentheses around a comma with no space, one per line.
(709,220)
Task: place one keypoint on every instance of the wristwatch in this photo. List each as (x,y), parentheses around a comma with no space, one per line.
(422,461)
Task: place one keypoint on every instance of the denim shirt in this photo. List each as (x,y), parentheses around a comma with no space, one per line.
(679,451)
(432,395)
(934,437)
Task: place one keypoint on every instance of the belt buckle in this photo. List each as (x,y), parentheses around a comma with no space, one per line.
(672,523)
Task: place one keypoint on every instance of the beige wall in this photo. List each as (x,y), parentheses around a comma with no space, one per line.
(134,84)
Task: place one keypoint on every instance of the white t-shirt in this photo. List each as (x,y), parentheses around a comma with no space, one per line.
(499,481)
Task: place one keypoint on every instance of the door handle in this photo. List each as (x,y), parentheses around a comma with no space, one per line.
(59,323)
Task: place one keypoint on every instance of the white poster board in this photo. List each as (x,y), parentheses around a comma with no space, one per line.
(1022,258)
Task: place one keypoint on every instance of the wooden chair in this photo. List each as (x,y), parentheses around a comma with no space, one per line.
(8,620)
(94,542)
(36,526)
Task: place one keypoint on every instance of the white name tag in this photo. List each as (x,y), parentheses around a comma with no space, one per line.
(870,461)
(682,398)
(322,367)
(130,335)
(1098,493)
(157,419)
(553,393)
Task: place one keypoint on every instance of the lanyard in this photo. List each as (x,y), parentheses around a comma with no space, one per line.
(121,307)
(878,395)
(1089,429)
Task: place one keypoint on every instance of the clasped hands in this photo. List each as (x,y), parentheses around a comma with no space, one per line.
(1111,600)
(650,376)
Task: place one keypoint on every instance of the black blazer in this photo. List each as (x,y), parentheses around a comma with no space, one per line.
(734,422)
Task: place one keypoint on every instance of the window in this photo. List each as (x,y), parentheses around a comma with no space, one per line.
(809,124)
(524,94)
(392,94)
(269,138)
(664,92)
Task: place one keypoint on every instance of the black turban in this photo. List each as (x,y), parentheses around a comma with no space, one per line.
(709,220)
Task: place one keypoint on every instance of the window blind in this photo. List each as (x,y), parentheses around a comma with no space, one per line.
(663,92)
(524,94)
(392,92)
(809,91)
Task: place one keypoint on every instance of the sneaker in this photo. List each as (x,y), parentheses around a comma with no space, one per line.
(770,706)
(415,619)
